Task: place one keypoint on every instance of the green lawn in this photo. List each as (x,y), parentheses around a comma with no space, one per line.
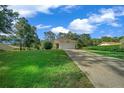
(112,51)
(46,68)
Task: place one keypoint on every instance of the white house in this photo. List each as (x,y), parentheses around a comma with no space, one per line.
(108,43)
(65,44)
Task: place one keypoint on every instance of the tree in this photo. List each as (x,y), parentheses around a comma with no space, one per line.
(7,17)
(61,35)
(21,31)
(27,34)
(116,39)
(79,43)
(72,36)
(86,40)
(31,39)
(107,39)
(50,36)
(3,38)
(48,45)
(120,37)
(69,35)
(35,40)
(96,41)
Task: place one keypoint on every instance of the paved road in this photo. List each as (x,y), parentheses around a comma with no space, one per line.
(103,72)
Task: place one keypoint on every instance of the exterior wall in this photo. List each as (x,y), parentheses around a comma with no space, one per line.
(104,44)
(107,44)
(66,45)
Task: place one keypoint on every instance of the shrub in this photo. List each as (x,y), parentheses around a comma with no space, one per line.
(48,45)
(78,46)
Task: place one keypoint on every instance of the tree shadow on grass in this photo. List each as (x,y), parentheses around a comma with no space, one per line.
(28,78)
(38,70)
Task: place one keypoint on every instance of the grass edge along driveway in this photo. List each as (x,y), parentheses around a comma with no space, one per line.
(40,69)
(109,51)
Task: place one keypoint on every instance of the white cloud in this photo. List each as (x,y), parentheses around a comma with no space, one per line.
(59,29)
(32,10)
(81,26)
(107,14)
(104,16)
(119,11)
(68,8)
(41,26)
(87,25)
(26,13)
(114,24)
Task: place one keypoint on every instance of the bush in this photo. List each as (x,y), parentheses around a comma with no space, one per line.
(78,46)
(48,45)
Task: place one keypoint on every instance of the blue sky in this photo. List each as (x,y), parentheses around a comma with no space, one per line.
(95,20)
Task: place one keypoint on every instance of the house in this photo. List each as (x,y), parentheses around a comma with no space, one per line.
(65,44)
(8,47)
(109,43)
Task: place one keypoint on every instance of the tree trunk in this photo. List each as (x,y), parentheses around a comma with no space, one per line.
(20,45)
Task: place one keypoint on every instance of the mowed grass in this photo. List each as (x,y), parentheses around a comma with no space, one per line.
(39,69)
(115,48)
(111,51)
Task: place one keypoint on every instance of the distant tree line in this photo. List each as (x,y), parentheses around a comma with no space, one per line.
(83,40)
(17,30)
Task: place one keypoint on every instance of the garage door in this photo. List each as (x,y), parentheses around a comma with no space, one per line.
(67,45)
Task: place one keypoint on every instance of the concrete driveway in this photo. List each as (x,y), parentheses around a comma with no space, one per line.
(103,72)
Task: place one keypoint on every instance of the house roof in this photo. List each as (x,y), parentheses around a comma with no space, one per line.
(64,40)
(109,43)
